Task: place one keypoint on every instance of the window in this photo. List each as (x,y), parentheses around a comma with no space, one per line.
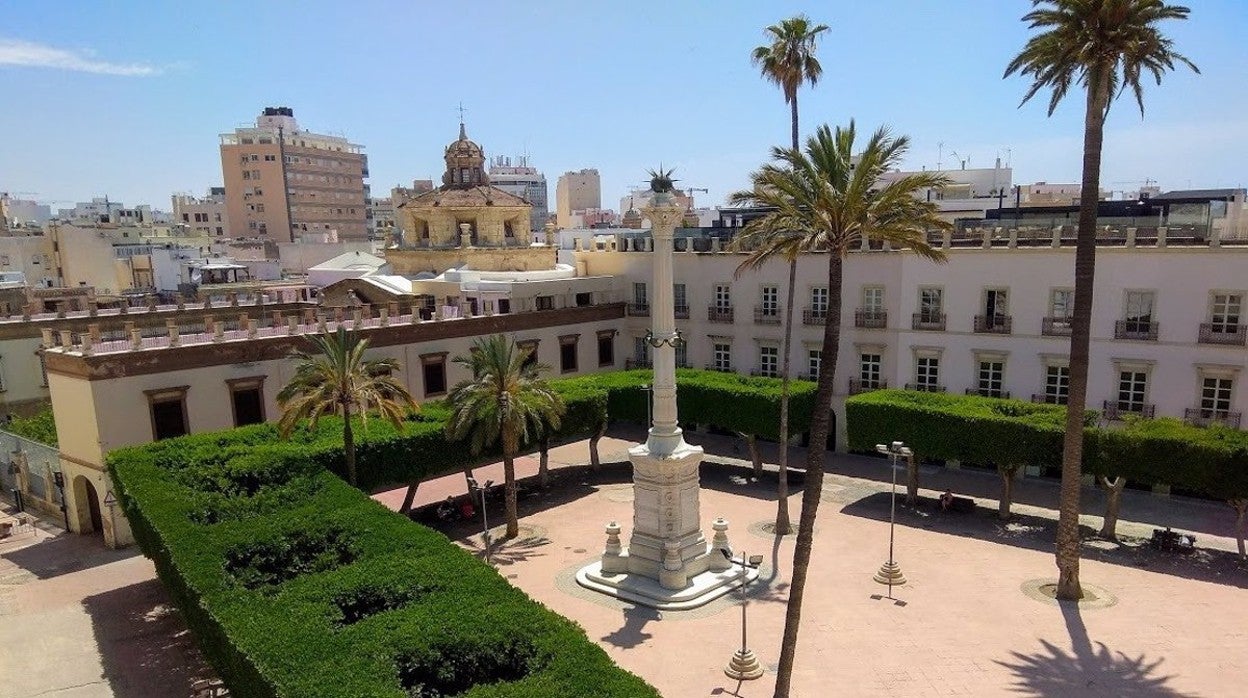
(584,299)
(678,295)
(545,302)
(1132,385)
(873,299)
(606,348)
(641,351)
(869,369)
(768,359)
(927,372)
(168,412)
(991,375)
(567,353)
(253,157)
(1139,309)
(270,158)
(1224,312)
(682,355)
(723,296)
(639,293)
(1215,396)
(1061,304)
(931,304)
(770,296)
(433,370)
(721,355)
(529,346)
(1056,384)
(259,208)
(819,301)
(814,362)
(247,400)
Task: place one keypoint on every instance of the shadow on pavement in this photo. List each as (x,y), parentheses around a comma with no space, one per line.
(1036,533)
(632,633)
(147,652)
(66,553)
(1090,670)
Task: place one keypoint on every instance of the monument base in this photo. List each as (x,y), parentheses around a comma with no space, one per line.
(702,588)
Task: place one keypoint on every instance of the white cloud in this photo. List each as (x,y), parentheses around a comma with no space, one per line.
(30,54)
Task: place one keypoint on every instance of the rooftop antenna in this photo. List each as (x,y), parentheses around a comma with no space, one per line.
(940,154)
(462,135)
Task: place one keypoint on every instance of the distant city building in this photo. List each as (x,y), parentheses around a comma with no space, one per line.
(282,181)
(102,210)
(207,216)
(576,191)
(400,195)
(525,182)
(640,198)
(17,212)
(380,217)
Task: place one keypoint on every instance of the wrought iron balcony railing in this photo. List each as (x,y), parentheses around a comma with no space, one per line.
(926,387)
(1116,410)
(719,313)
(870,319)
(994,324)
(987,392)
(928,321)
(767,315)
(681,312)
(639,309)
(1048,399)
(1222,333)
(1135,329)
(858,385)
(1055,327)
(814,316)
(1203,417)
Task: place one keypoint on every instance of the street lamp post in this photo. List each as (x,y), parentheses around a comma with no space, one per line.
(485,519)
(743,665)
(890,572)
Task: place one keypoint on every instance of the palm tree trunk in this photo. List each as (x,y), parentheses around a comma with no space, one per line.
(348,445)
(819,427)
(751,443)
(409,496)
(912,479)
(543,462)
(1241,525)
(595,461)
(1007,491)
(1113,501)
(509,476)
(793,119)
(783,526)
(1067,548)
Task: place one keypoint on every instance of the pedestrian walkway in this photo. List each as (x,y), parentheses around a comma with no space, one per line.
(78,620)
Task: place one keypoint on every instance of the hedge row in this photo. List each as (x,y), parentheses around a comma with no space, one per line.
(1211,460)
(296,584)
(39,427)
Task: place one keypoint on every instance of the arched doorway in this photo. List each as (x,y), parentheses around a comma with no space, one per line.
(85,493)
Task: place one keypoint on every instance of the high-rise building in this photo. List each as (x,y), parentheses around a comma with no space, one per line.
(282,182)
(577,191)
(525,182)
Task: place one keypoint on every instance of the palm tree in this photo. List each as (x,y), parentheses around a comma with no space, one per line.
(1104,46)
(788,61)
(335,378)
(824,200)
(507,401)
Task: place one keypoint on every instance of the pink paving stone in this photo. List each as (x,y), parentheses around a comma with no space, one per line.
(966,627)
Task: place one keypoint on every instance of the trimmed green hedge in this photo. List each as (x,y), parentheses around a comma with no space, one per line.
(729,401)
(302,586)
(1211,460)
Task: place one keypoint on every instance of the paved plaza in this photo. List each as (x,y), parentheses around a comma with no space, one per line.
(78,620)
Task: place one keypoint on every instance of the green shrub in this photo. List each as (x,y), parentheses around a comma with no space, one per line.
(39,427)
(330,594)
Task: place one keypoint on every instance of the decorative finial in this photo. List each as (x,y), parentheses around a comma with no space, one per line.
(462,134)
(661,181)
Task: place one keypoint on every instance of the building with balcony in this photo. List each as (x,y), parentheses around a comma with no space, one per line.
(1168,325)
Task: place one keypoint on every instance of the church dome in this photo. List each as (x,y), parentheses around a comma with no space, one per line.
(465,163)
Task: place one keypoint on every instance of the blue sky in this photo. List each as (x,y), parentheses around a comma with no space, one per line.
(127,98)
